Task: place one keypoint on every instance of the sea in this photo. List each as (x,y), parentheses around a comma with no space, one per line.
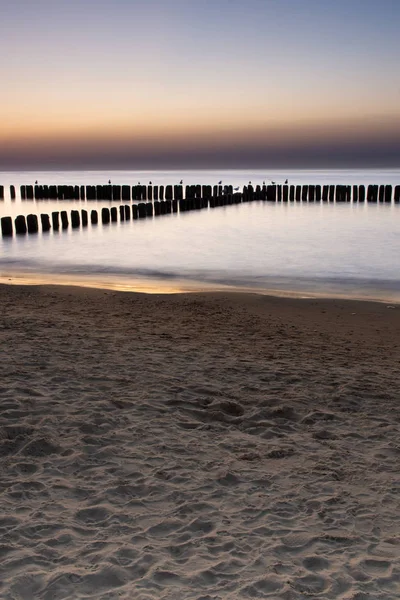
(345,250)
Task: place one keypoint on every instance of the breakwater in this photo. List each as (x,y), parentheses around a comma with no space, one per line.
(148,201)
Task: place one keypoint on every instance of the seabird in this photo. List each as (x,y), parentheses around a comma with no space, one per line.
(219,182)
(286,181)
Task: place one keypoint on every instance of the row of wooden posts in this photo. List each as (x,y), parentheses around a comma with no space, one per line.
(310,193)
(60,220)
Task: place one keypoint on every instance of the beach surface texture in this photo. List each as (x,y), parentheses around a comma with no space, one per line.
(202,446)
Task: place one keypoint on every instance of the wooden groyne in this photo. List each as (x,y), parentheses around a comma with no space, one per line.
(153,201)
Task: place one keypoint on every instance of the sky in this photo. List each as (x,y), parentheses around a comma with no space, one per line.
(199,84)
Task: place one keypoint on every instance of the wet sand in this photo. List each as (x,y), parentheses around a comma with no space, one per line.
(202,446)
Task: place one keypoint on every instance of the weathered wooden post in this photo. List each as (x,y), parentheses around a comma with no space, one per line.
(1,192)
(127,212)
(84,215)
(372,193)
(116,192)
(114,214)
(83,195)
(37,192)
(45,220)
(6,226)
(53,192)
(285,193)
(122,213)
(298,193)
(304,193)
(157,209)
(12,192)
(162,207)
(126,192)
(29,192)
(311,193)
(361,193)
(355,193)
(105,216)
(381,194)
(64,219)
(134,211)
(22,191)
(155,192)
(55,219)
(149,209)
(339,193)
(20,225)
(292,190)
(175,205)
(94,217)
(32,222)
(76,192)
(397,194)
(99,192)
(161,192)
(331,193)
(91,192)
(168,192)
(318,193)
(388,193)
(75,219)
(142,210)
(168,207)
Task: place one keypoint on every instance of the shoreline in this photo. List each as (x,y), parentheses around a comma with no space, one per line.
(184,286)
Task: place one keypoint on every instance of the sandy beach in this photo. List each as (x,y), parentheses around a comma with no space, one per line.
(198,446)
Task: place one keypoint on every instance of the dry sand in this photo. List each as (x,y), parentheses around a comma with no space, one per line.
(203,446)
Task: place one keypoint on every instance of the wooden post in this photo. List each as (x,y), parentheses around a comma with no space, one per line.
(1,192)
(318,193)
(91,192)
(99,192)
(12,192)
(45,220)
(94,217)
(397,194)
(83,195)
(162,207)
(20,225)
(32,222)
(285,193)
(142,210)
(355,193)
(298,193)
(372,193)
(84,215)
(361,193)
(134,211)
(291,193)
(161,192)
(105,216)
(381,193)
(127,212)
(175,205)
(126,192)
(149,209)
(64,219)
(114,214)
(311,193)
(116,192)
(75,219)
(388,193)
(155,192)
(122,213)
(157,209)
(331,193)
(55,219)
(53,192)
(29,192)
(22,191)
(150,192)
(304,193)
(339,193)
(6,226)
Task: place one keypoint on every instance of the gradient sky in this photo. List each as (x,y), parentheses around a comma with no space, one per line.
(178,83)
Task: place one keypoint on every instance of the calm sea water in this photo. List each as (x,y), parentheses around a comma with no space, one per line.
(302,248)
